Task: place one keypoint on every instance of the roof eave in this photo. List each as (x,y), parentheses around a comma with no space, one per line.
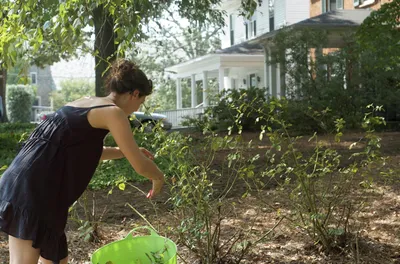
(324,26)
(188,62)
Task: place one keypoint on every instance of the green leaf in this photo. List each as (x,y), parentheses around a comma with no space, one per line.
(87,237)
(121,186)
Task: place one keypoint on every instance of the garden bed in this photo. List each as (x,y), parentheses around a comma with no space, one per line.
(377,223)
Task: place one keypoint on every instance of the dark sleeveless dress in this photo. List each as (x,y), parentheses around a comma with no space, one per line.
(48,175)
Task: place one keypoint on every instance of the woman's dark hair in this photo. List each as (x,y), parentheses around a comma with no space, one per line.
(126,77)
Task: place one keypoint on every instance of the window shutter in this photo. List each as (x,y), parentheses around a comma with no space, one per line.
(247,30)
(356,2)
(339,4)
(232,28)
(323,3)
(255,27)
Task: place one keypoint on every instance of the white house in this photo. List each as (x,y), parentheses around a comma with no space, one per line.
(239,64)
(247,47)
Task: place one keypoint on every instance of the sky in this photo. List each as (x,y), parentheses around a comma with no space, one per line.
(82,68)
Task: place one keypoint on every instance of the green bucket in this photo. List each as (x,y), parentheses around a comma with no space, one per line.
(137,250)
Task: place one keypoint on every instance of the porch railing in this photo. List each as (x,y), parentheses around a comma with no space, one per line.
(177,116)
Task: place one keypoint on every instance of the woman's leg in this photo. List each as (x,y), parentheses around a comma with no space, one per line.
(46,261)
(21,251)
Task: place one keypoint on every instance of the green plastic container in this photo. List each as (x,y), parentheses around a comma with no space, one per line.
(137,250)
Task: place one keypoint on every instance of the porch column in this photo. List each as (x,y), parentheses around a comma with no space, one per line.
(194,93)
(205,89)
(266,69)
(178,93)
(270,72)
(278,80)
(221,78)
(283,74)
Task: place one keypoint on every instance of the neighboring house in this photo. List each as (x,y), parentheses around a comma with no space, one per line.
(247,45)
(43,80)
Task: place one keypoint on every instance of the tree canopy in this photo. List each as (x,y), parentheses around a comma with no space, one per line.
(380,34)
(45,31)
(171,40)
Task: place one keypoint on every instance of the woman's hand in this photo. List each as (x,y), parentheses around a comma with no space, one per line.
(114,120)
(157,186)
(147,153)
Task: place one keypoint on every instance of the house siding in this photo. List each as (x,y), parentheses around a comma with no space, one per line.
(241,77)
(225,37)
(280,13)
(240,29)
(231,7)
(262,18)
(316,8)
(348,4)
(45,83)
(297,10)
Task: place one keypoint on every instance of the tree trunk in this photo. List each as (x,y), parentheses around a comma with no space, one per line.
(3,81)
(105,48)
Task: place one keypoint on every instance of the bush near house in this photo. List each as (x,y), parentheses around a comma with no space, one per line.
(242,109)
(19,102)
(232,106)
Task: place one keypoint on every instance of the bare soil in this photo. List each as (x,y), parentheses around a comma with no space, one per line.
(377,224)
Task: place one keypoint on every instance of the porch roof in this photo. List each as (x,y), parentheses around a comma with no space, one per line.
(336,21)
(338,18)
(240,55)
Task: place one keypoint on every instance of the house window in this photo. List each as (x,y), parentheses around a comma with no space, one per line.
(33,77)
(323,6)
(339,4)
(251,27)
(271,4)
(362,3)
(232,28)
(331,5)
(37,101)
(271,24)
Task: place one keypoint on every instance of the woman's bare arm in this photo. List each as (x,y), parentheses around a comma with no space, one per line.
(114,119)
(110,153)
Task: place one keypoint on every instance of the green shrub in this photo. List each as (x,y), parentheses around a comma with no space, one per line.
(108,172)
(19,103)
(321,182)
(11,137)
(16,127)
(163,145)
(226,113)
